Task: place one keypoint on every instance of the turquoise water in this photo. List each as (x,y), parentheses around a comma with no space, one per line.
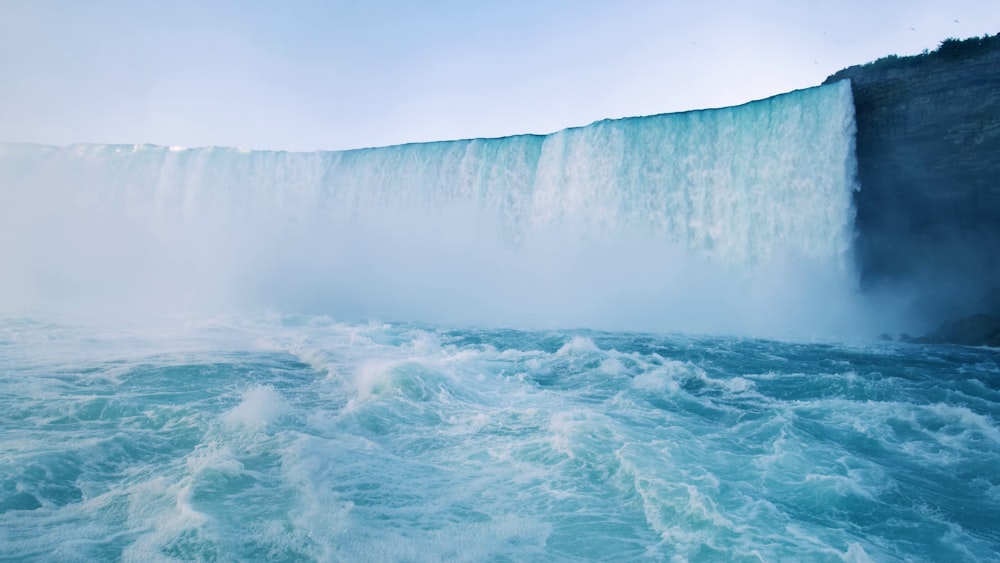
(302,438)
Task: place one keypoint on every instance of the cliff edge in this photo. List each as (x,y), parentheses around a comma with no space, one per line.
(928,148)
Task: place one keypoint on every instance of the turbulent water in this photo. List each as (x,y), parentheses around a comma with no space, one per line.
(301,438)
(197,428)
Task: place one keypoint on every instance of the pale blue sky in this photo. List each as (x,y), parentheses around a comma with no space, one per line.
(302,75)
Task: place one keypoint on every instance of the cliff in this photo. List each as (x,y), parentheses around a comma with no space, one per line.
(928,147)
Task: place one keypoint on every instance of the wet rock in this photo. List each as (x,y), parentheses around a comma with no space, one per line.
(977,330)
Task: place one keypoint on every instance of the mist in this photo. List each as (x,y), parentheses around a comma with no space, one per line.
(453,265)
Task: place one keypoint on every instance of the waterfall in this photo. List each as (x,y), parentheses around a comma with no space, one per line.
(705,220)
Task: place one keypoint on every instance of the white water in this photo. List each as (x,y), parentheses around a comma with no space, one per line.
(280,438)
(736,220)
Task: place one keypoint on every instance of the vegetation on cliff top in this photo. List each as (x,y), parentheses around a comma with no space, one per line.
(949,49)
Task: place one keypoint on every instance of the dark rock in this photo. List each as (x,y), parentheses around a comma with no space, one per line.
(928,147)
(977,330)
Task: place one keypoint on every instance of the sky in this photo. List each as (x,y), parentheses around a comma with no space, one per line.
(328,75)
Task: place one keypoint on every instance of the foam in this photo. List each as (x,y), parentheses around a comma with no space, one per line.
(260,406)
(545,445)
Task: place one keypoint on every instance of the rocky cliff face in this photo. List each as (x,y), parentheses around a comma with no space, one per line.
(928,146)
